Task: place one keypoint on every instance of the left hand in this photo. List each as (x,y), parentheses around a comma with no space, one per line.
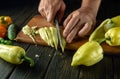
(49,9)
(80,22)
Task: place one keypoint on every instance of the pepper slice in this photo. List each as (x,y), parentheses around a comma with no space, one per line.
(54,37)
(49,35)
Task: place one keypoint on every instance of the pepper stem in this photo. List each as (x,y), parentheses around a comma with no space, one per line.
(30,60)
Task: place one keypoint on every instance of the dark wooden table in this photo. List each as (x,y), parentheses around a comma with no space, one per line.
(51,64)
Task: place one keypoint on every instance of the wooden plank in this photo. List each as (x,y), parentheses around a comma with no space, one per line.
(7,68)
(38,72)
(41,63)
(60,67)
(49,67)
(101,70)
(116,67)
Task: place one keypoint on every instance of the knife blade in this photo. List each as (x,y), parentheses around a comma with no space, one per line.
(58,33)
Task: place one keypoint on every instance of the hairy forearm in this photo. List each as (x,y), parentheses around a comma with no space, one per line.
(92,4)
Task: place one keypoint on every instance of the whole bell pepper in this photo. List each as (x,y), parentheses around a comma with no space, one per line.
(116,20)
(112,36)
(5,20)
(3,31)
(88,54)
(14,54)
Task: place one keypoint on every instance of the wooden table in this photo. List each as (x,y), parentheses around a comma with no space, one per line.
(51,64)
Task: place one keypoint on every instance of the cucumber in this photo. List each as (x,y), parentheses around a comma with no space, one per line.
(11,32)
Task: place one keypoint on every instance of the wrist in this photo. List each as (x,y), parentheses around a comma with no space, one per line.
(92,6)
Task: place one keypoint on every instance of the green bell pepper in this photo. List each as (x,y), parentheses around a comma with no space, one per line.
(14,54)
(88,54)
(116,20)
(112,36)
(99,32)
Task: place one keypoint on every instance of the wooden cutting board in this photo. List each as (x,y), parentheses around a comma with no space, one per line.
(39,21)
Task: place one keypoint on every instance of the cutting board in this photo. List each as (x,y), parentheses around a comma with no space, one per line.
(39,21)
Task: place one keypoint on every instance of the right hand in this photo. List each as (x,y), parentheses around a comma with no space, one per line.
(80,23)
(49,8)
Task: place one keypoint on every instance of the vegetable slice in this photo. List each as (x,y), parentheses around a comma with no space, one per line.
(54,36)
(63,44)
(49,35)
(99,32)
(30,32)
(44,35)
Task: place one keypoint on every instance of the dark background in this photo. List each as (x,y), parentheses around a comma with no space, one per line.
(108,8)
(51,64)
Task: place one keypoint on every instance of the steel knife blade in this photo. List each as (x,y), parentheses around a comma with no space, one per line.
(58,32)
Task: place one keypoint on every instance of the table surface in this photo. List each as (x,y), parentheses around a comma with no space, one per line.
(51,64)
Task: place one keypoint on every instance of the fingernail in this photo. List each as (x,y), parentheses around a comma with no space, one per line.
(48,18)
(64,34)
(68,40)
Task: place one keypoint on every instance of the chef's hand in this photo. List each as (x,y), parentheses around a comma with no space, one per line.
(79,23)
(49,8)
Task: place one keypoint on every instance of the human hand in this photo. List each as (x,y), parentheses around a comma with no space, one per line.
(79,23)
(49,8)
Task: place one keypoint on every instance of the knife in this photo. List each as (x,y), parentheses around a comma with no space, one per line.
(58,32)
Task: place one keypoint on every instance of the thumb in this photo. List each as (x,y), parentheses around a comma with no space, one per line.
(49,17)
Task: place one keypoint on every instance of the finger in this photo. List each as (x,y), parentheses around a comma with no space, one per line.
(67,20)
(85,30)
(71,24)
(61,12)
(42,13)
(74,32)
